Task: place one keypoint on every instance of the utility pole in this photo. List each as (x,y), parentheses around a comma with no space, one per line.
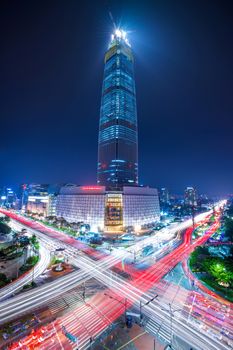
(33,274)
(213,209)
(91,341)
(171,314)
(125,308)
(119,301)
(140,311)
(84,291)
(193,211)
(142,305)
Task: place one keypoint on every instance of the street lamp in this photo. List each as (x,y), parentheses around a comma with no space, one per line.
(142,305)
(171,314)
(84,291)
(119,301)
(33,274)
(134,255)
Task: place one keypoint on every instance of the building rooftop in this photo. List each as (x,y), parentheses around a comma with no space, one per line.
(119,35)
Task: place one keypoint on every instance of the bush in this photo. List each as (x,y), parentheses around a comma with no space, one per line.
(4,228)
(32,260)
(3,280)
(30,285)
(35,242)
(3,277)
(216,270)
(229,228)
(5,219)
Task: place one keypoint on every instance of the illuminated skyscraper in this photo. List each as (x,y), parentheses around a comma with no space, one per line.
(190,196)
(117,203)
(118,137)
(164,196)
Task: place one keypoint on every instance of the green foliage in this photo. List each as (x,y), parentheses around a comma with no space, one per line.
(3,277)
(93,245)
(35,242)
(4,228)
(11,252)
(197,256)
(212,218)
(3,280)
(5,219)
(30,285)
(55,260)
(226,292)
(32,260)
(217,271)
(230,211)
(229,228)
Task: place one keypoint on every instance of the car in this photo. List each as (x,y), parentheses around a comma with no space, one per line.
(5,336)
(148,250)
(127,237)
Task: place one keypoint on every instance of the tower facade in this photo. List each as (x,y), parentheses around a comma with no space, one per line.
(118,134)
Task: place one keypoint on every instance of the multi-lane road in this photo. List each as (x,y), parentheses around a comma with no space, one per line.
(27,277)
(137,289)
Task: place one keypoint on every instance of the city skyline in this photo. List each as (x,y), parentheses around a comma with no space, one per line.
(52,73)
(116,212)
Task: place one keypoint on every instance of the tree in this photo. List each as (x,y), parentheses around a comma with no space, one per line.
(3,277)
(3,280)
(32,260)
(4,228)
(51,218)
(5,219)
(230,211)
(34,242)
(229,228)
(219,269)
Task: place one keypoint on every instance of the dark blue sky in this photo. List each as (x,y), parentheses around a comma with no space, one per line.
(50,86)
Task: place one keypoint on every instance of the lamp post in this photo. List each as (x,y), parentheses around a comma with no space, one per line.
(33,274)
(119,301)
(193,215)
(134,255)
(84,291)
(171,314)
(142,305)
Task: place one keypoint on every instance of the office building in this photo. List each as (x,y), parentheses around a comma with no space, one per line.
(42,199)
(118,137)
(190,196)
(116,202)
(164,196)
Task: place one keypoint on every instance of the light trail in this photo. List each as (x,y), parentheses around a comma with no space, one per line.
(103,274)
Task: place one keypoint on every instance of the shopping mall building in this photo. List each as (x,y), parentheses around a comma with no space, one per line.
(111,211)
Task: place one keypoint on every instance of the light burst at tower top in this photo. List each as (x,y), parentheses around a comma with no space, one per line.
(119,34)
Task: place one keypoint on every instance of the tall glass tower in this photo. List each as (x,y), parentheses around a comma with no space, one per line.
(118,136)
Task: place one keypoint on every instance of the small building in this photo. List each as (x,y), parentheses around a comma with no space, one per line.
(44,205)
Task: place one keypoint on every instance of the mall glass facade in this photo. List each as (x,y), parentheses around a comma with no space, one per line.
(118,139)
(108,210)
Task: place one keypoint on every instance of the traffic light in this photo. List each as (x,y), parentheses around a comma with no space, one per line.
(129,321)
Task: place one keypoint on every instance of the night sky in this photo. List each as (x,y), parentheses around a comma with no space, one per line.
(51,66)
